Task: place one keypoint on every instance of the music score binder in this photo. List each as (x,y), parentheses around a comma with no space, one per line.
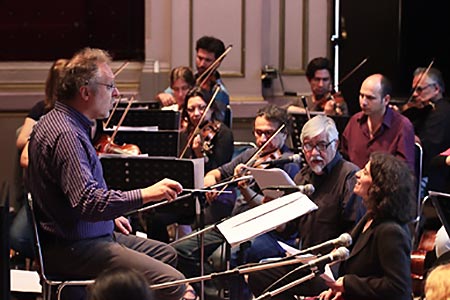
(265,217)
(133,172)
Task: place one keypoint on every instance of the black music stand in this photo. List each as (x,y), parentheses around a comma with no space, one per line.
(152,143)
(162,119)
(441,202)
(141,104)
(132,172)
(297,120)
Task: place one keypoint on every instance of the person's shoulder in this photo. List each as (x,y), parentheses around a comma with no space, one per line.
(349,166)
(391,227)
(402,120)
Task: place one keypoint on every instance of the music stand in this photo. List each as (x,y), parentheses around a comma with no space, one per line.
(163,119)
(141,104)
(132,172)
(152,143)
(441,202)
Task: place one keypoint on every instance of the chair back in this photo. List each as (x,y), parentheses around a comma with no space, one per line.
(47,283)
(228,118)
(418,172)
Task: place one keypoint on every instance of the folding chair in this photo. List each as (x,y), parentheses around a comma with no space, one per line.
(418,172)
(48,282)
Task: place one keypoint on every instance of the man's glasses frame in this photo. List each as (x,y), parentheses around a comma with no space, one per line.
(320,146)
(420,89)
(109,87)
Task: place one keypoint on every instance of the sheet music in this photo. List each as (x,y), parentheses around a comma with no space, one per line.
(271,177)
(265,217)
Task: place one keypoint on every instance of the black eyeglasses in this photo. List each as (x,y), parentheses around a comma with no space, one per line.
(420,89)
(320,146)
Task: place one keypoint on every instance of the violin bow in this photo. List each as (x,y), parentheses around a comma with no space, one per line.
(121,119)
(252,159)
(212,68)
(422,76)
(121,68)
(256,154)
(352,71)
(105,124)
(194,132)
(116,72)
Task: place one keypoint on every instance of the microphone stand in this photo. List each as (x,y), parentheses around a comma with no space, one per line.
(228,273)
(273,293)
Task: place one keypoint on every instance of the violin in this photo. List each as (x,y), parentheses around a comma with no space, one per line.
(262,161)
(207,133)
(196,130)
(105,144)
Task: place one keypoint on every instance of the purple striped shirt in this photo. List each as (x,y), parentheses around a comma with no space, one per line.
(65,178)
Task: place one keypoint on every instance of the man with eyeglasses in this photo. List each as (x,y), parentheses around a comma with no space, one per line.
(377,127)
(430,115)
(75,211)
(208,49)
(338,208)
(319,73)
(268,120)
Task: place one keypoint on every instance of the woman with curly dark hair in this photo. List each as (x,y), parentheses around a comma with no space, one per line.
(379,265)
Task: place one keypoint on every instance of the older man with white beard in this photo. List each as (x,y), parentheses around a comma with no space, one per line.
(333,179)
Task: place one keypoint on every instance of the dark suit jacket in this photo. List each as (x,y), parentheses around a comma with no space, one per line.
(379,265)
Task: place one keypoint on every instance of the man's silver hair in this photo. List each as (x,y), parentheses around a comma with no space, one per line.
(317,125)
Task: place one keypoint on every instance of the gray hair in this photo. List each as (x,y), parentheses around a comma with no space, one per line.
(434,74)
(317,125)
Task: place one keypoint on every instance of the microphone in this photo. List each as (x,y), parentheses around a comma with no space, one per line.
(344,240)
(296,158)
(307,189)
(339,254)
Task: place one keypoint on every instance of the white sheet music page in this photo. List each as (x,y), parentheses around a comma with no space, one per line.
(271,177)
(265,217)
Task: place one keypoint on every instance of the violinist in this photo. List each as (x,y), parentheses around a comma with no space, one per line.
(429,113)
(79,218)
(213,140)
(208,49)
(319,73)
(181,81)
(268,120)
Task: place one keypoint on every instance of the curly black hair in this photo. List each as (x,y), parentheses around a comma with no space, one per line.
(392,193)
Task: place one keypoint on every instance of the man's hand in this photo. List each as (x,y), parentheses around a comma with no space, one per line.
(165,189)
(166,99)
(123,225)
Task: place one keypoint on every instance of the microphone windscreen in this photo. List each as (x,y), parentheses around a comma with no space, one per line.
(308,189)
(341,253)
(345,240)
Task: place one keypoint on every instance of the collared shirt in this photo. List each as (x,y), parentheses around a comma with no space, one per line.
(395,136)
(339,208)
(66,181)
